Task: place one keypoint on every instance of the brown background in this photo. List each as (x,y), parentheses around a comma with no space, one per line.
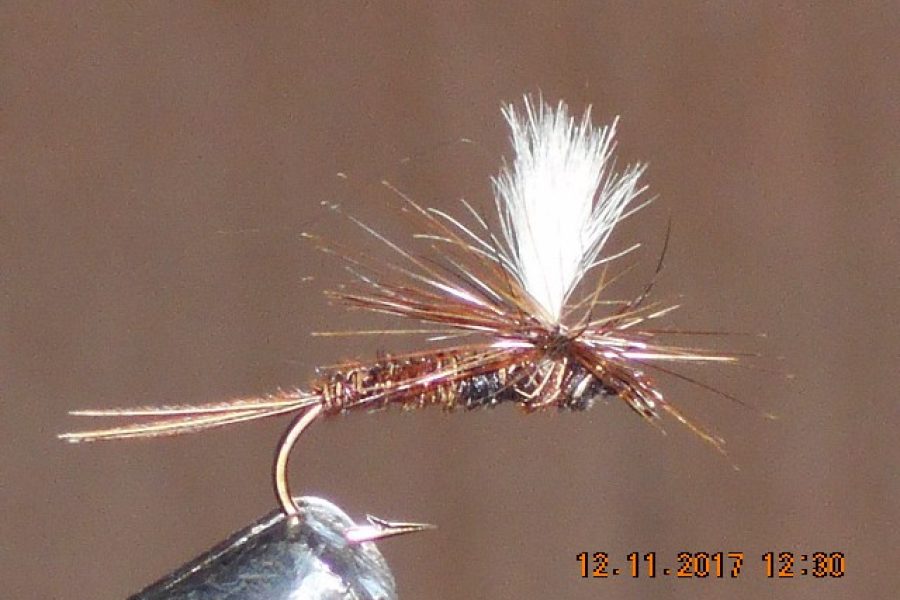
(158,163)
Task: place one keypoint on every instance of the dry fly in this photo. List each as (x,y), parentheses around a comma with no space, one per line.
(519,319)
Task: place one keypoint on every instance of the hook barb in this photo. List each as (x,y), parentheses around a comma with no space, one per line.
(379,529)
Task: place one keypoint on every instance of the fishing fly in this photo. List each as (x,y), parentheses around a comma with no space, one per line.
(518,301)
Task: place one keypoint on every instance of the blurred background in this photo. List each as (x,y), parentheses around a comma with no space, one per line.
(159,161)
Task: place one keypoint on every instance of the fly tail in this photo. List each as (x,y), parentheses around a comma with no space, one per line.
(158,421)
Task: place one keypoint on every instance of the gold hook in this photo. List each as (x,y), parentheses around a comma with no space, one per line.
(280,469)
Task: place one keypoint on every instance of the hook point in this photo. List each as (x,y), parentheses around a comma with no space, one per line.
(379,529)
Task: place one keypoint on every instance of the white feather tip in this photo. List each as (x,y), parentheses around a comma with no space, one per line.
(559,199)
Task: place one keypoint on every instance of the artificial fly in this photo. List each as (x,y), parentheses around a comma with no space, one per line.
(527,327)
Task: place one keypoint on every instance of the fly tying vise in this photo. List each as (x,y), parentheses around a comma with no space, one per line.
(536,335)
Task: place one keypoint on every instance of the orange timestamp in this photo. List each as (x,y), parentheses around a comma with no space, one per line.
(712,565)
